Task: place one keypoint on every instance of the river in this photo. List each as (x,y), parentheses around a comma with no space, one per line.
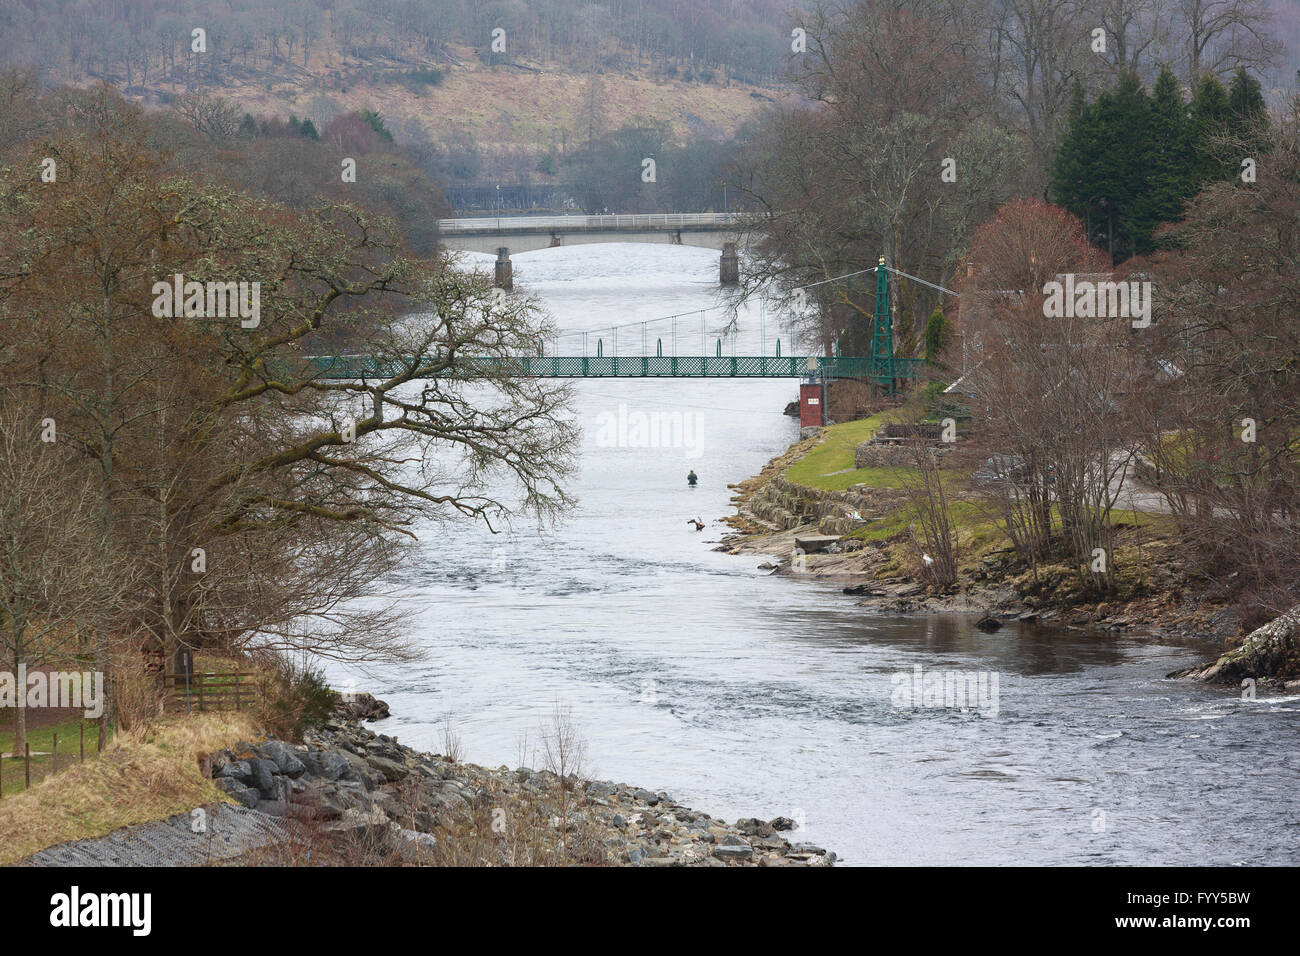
(691,671)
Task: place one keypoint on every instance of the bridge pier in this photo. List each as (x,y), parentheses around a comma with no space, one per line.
(729,265)
(505,270)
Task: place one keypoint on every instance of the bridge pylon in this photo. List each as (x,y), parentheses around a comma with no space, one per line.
(883,372)
(729,265)
(505,270)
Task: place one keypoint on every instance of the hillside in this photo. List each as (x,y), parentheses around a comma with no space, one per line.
(498,107)
(509,82)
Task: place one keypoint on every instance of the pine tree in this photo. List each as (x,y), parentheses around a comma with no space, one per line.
(1210,117)
(1072,183)
(1167,159)
(1247,121)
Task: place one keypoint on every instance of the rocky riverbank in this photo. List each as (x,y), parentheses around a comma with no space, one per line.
(1166,603)
(353,796)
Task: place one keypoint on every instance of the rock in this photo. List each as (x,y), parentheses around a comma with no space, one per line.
(729,851)
(781,824)
(245,795)
(767,566)
(988,623)
(262,776)
(237,770)
(282,755)
(361,706)
(635,854)
(391,770)
(1269,651)
(334,766)
(755,827)
(619,821)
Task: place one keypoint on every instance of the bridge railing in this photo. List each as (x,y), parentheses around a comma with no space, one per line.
(644,366)
(640,221)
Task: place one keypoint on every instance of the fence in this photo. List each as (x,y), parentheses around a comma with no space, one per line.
(53,755)
(205,691)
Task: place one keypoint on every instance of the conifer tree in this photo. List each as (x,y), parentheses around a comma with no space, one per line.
(1210,117)
(1167,159)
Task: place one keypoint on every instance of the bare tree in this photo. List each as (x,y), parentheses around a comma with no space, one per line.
(1225,34)
(59,579)
(565,754)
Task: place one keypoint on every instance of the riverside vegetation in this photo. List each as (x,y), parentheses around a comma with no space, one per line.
(814,488)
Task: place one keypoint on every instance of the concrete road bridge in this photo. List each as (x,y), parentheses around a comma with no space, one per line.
(708,230)
(506,234)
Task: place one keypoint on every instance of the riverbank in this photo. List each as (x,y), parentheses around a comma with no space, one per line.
(347,795)
(812,490)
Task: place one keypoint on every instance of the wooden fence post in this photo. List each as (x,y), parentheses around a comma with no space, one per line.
(27,771)
(201,697)
(236,691)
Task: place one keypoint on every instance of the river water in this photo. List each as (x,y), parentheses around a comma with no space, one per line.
(740,694)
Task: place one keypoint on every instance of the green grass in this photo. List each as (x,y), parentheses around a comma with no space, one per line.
(835,453)
(42,740)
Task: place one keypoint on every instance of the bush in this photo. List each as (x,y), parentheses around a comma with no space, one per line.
(300,700)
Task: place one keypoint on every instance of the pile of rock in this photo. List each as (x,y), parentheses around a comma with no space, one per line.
(344,777)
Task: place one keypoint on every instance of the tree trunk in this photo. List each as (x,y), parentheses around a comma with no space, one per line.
(20,712)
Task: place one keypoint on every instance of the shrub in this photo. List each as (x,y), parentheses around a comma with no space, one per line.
(299,700)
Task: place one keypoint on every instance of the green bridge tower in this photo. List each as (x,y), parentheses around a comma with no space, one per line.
(882,335)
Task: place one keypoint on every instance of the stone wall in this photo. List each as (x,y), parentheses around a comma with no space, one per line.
(788,505)
(885,455)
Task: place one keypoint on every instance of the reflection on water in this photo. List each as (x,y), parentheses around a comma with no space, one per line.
(747,695)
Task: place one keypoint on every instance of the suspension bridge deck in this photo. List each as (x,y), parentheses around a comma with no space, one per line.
(646,366)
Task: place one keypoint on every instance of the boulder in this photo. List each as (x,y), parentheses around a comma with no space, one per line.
(731,851)
(262,776)
(361,706)
(283,756)
(245,795)
(237,769)
(1271,651)
(390,770)
(755,827)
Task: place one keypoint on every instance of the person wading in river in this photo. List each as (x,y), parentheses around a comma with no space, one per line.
(692,478)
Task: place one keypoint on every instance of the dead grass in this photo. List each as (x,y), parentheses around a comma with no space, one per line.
(146,775)
(498,829)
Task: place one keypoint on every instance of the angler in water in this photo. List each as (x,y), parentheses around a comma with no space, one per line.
(692,478)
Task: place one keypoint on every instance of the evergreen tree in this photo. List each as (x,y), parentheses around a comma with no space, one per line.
(936,336)
(1247,121)
(1210,117)
(1169,165)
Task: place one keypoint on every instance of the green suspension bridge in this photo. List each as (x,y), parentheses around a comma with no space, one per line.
(881,368)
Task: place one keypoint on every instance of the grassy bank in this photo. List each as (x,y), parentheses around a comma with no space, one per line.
(40,740)
(143,776)
(1153,589)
